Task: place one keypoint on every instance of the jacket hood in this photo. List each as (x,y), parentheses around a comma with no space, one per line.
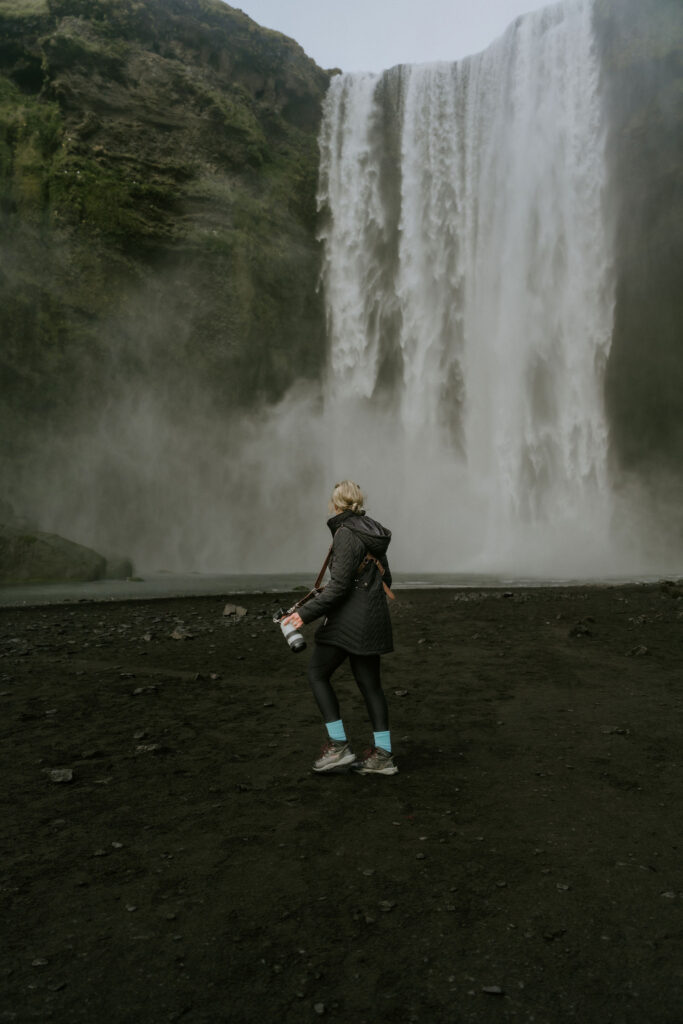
(375,536)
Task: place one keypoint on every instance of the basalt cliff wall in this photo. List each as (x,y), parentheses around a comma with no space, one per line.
(158,166)
(641,49)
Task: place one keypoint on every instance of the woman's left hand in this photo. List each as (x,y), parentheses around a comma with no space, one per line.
(293,620)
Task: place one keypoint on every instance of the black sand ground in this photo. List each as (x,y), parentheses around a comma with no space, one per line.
(526,864)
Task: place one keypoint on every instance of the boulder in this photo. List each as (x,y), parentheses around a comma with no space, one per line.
(32,556)
(118,568)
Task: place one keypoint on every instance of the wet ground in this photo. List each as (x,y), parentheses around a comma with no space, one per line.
(168,855)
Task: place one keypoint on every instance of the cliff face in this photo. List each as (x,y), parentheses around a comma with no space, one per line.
(158,166)
(641,43)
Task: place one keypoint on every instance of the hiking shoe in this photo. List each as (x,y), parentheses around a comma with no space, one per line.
(376,761)
(335,755)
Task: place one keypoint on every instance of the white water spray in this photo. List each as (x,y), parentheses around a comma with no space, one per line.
(468,280)
(469,289)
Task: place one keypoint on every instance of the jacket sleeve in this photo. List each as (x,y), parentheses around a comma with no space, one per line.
(348,552)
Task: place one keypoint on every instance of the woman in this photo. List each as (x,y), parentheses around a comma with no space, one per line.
(356,626)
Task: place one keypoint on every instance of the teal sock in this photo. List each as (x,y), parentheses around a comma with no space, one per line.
(383,740)
(335,730)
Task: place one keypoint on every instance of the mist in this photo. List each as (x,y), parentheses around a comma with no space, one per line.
(469,240)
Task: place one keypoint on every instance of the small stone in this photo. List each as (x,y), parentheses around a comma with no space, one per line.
(401,693)
(637,652)
(61,775)
(319,1008)
(39,962)
(235,610)
(140,735)
(117,846)
(368,872)
(419,856)
(493,990)
(131,908)
(386,906)
(181,634)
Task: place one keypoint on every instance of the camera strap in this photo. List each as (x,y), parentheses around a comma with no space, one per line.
(366,561)
(316,586)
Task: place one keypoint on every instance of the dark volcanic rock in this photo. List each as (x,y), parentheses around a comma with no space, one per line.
(641,49)
(45,557)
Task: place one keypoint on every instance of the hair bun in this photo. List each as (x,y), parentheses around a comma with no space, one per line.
(348,495)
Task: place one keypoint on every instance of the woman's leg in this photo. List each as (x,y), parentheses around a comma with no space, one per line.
(325,660)
(366,672)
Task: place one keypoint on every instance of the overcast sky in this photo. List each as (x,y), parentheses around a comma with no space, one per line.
(371,35)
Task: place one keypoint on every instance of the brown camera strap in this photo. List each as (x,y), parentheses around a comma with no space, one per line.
(317,585)
(366,561)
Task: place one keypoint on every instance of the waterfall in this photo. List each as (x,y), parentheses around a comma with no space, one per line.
(468,281)
(467,273)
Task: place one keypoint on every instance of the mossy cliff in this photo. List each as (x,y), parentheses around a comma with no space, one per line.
(158,166)
(641,45)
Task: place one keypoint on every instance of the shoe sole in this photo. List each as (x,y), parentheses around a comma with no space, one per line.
(376,771)
(343,764)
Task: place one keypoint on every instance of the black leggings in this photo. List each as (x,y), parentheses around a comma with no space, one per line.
(325,660)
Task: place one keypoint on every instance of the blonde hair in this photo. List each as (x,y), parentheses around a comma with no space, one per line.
(347,495)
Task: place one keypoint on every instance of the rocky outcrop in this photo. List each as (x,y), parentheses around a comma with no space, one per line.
(45,558)
(158,166)
(29,555)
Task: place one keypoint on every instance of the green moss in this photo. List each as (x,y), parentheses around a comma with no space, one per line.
(109,200)
(92,55)
(162,185)
(30,132)
(22,8)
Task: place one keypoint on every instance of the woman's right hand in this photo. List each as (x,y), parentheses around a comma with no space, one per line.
(293,620)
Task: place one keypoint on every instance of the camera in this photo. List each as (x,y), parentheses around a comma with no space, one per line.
(290,633)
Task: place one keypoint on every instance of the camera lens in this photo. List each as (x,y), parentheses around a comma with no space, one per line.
(293,638)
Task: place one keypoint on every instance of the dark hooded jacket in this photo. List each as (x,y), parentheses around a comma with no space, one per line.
(355,606)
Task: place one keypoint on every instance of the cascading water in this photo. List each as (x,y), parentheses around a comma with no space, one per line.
(467,275)
(467,270)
